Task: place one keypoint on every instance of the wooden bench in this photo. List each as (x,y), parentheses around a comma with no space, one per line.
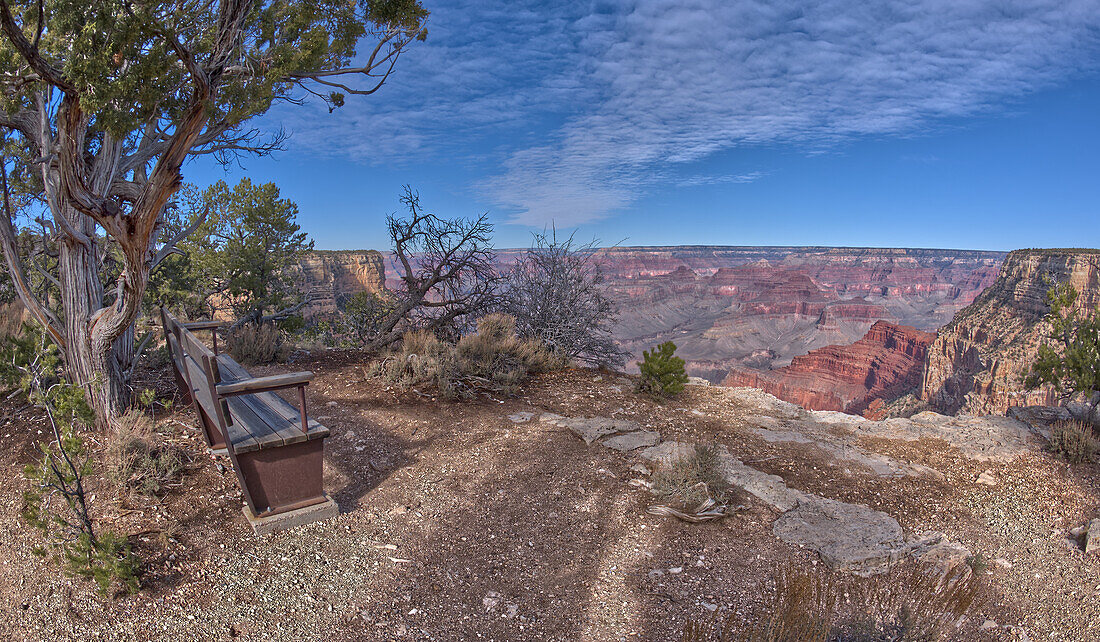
(276,450)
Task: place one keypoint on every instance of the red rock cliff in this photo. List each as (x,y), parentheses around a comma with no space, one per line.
(330,276)
(885,363)
(977,360)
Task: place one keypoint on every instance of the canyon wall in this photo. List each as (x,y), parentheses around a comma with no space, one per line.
(732,308)
(886,363)
(328,277)
(976,362)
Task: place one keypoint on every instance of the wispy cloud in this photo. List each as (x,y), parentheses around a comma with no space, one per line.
(706,179)
(583,110)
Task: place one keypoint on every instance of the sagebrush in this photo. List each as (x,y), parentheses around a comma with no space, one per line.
(255,344)
(909,603)
(493,358)
(139,459)
(1075,441)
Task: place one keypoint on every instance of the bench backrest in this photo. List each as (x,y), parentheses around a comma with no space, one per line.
(199,367)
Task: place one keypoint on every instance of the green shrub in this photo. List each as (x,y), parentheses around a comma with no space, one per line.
(57,503)
(138,459)
(253,344)
(1073,441)
(662,373)
(365,314)
(689,480)
(493,358)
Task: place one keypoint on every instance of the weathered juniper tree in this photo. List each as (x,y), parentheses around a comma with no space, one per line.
(446,272)
(104,101)
(1070,363)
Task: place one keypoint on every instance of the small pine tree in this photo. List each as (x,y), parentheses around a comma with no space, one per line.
(57,502)
(662,373)
(1071,363)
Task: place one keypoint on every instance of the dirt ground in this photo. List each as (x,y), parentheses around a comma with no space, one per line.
(458,524)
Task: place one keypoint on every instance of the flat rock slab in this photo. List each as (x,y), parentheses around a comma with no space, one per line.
(987,438)
(591,429)
(849,537)
(667,452)
(291,519)
(770,489)
(629,441)
(521,417)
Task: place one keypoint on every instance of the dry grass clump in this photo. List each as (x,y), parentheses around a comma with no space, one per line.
(1075,441)
(493,358)
(12,317)
(910,603)
(253,344)
(690,480)
(138,459)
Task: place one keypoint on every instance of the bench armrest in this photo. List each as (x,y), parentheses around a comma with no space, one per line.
(264,384)
(203,325)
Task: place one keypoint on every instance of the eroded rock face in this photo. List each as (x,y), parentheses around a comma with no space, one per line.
(757,308)
(976,363)
(329,277)
(885,363)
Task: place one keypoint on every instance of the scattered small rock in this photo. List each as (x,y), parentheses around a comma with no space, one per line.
(491,601)
(1092,538)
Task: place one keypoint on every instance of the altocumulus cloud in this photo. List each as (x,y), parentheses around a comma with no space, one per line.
(578,108)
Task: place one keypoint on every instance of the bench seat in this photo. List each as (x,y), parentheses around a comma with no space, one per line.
(259,420)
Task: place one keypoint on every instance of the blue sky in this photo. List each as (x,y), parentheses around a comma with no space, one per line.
(943,123)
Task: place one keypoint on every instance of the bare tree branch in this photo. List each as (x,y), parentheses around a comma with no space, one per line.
(15,267)
(170,246)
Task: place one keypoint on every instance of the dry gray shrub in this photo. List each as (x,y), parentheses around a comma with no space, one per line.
(555,292)
(252,344)
(493,358)
(139,459)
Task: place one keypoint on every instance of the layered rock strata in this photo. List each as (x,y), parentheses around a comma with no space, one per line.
(885,363)
(977,362)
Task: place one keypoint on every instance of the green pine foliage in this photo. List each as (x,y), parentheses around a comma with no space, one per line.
(1071,361)
(57,502)
(663,373)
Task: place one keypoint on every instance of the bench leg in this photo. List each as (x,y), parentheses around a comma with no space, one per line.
(282,479)
(215,440)
(181,385)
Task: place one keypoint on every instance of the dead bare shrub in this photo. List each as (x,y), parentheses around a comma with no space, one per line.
(253,344)
(139,460)
(1075,441)
(689,480)
(493,358)
(910,603)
